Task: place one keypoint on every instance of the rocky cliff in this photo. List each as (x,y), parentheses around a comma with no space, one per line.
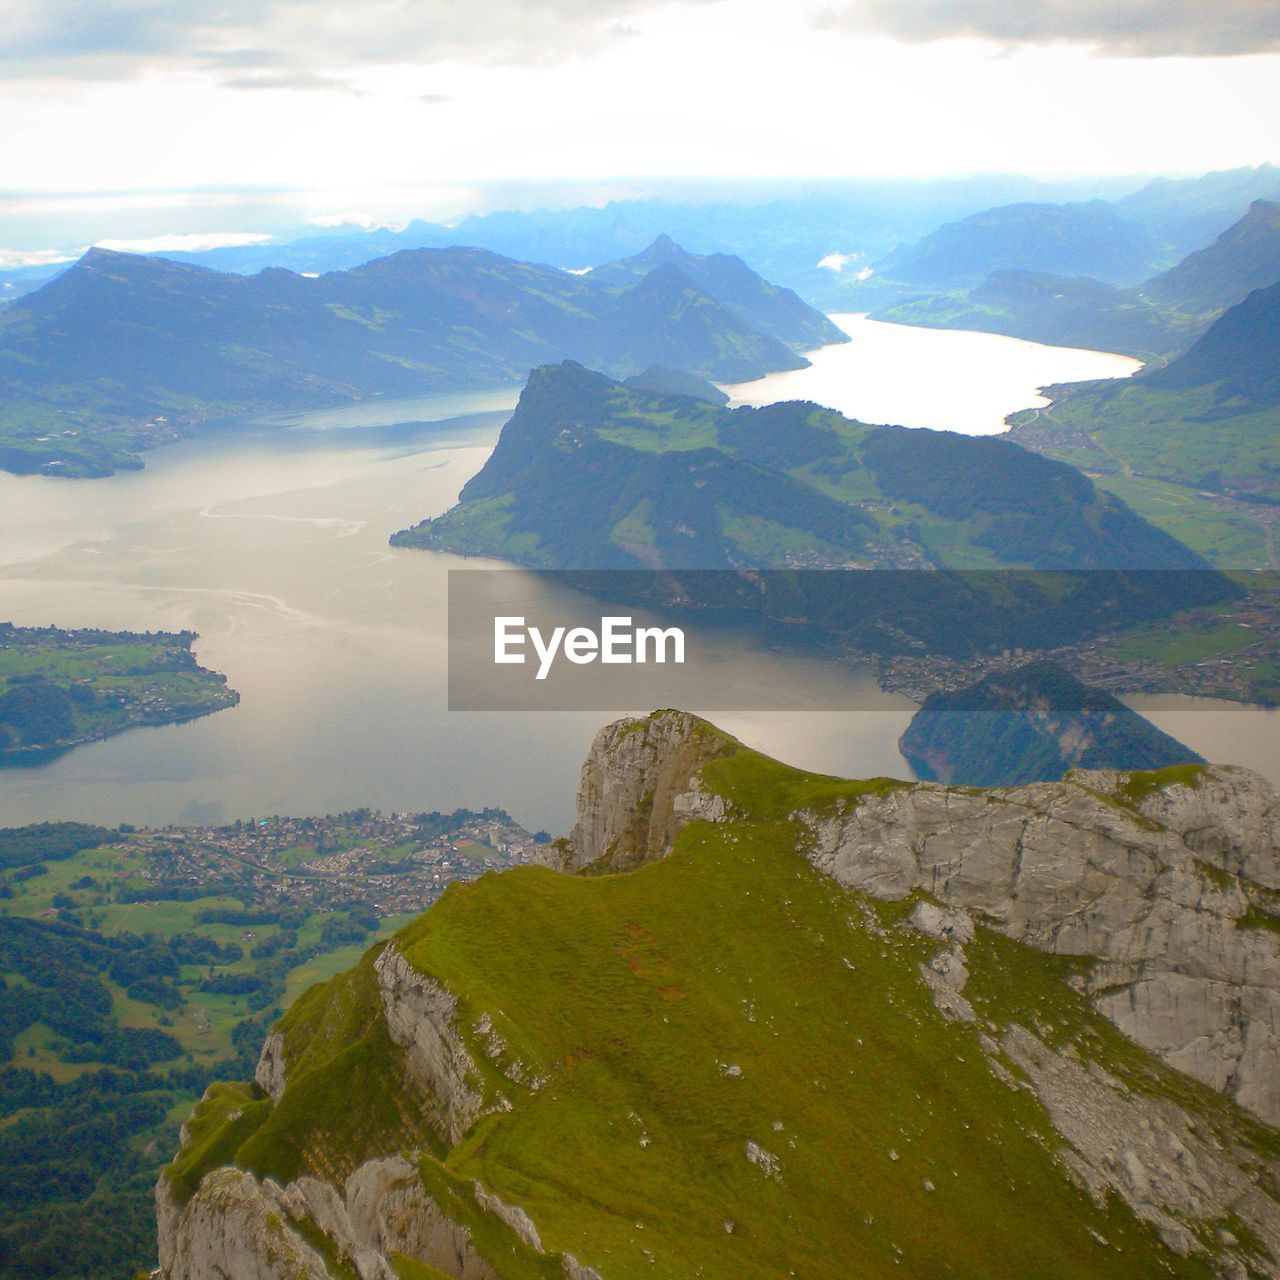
(800,1020)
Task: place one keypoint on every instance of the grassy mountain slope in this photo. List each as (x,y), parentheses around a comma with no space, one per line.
(721,1064)
(590,474)
(1031,725)
(1193,445)
(1237,357)
(1057,310)
(1244,257)
(120,348)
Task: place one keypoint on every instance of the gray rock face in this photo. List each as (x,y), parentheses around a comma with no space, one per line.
(269,1074)
(1157,891)
(231,1227)
(1146,1150)
(640,786)
(421,1017)
(238,1227)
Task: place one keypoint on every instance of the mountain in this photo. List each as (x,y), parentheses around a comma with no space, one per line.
(1087,239)
(1238,357)
(800,1021)
(1192,445)
(1059,311)
(783,232)
(672,382)
(1187,213)
(729,280)
(1156,319)
(1244,257)
(596,478)
(589,474)
(1032,724)
(91,360)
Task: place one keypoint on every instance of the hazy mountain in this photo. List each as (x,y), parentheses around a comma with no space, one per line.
(1186,214)
(784,235)
(1239,356)
(1161,316)
(760,1023)
(671,382)
(1060,311)
(121,338)
(1031,725)
(1089,239)
(756,302)
(1244,257)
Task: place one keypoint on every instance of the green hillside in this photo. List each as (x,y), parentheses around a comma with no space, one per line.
(589,474)
(721,1064)
(1192,446)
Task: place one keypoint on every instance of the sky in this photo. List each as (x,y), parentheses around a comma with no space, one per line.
(132,119)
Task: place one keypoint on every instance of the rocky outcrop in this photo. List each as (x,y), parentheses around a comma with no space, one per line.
(1146,1150)
(269,1074)
(640,787)
(421,1017)
(231,1227)
(244,1228)
(1159,885)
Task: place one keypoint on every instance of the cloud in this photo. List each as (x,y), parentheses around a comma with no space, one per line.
(189,242)
(284,39)
(289,80)
(1121,28)
(13,259)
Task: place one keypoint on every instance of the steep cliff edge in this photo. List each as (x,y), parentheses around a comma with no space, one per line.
(800,1020)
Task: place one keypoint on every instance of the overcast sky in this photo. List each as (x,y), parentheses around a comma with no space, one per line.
(376,108)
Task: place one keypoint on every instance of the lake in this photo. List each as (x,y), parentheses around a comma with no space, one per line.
(270,540)
(945,379)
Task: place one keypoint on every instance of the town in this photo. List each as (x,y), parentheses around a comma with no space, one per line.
(388,864)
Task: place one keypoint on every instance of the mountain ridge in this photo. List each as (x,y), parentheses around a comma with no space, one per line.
(759,1042)
(90,362)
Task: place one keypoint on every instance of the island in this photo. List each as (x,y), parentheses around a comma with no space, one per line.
(59,688)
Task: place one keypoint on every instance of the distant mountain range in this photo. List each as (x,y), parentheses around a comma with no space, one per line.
(91,360)
(1031,725)
(818,239)
(1064,239)
(783,233)
(1150,320)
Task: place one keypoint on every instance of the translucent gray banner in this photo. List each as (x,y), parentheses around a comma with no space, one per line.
(751,640)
